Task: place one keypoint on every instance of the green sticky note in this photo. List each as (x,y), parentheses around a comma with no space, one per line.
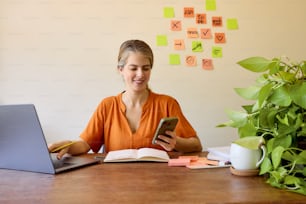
(174,59)
(210,5)
(216,52)
(197,46)
(161,40)
(232,24)
(168,12)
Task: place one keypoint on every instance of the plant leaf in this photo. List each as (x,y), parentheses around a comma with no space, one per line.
(297,93)
(250,93)
(265,166)
(263,94)
(276,156)
(281,97)
(255,64)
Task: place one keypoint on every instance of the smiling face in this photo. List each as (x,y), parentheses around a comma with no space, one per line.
(136,72)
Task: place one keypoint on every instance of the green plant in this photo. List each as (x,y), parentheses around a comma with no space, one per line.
(278,114)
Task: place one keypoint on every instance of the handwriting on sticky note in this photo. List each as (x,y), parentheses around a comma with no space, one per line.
(201,18)
(191,60)
(176,25)
(174,59)
(188,12)
(168,12)
(161,40)
(197,46)
(192,33)
(219,37)
(217,21)
(207,64)
(216,52)
(205,33)
(179,44)
(232,24)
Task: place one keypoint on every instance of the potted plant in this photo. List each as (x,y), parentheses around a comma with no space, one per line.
(277,114)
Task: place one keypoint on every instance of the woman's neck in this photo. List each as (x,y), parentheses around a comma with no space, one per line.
(134,99)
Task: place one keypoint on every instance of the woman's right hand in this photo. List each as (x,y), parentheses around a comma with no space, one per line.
(66,144)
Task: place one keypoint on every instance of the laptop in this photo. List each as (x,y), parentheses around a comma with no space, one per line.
(23,145)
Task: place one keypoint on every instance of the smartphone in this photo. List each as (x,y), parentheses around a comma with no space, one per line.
(164,125)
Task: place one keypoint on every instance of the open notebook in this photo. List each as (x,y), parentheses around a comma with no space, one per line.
(23,145)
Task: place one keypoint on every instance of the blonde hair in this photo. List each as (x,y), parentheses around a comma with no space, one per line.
(134,46)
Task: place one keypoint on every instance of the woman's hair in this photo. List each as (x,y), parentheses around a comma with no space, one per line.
(134,46)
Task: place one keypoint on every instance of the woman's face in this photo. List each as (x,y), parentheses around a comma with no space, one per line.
(136,72)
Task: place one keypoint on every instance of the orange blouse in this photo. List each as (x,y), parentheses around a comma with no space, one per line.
(109,126)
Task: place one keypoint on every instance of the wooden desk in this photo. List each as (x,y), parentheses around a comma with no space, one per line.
(139,183)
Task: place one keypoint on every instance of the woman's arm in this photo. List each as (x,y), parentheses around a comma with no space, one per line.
(191,144)
(78,147)
(173,142)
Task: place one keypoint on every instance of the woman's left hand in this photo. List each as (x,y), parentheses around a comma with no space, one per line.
(168,141)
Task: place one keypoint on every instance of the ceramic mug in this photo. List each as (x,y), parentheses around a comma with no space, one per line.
(243,158)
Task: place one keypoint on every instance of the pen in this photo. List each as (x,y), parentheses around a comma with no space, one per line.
(62,147)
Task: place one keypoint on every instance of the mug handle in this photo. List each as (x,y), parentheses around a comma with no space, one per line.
(263,148)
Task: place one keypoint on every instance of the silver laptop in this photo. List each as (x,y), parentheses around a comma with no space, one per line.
(23,145)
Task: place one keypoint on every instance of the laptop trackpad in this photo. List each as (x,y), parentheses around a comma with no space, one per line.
(64,162)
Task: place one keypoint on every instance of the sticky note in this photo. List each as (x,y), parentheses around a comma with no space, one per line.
(205,33)
(179,162)
(168,12)
(217,21)
(232,24)
(219,37)
(176,25)
(207,64)
(216,52)
(197,46)
(179,44)
(161,40)
(191,61)
(188,12)
(174,59)
(201,18)
(192,33)
(211,5)
(191,157)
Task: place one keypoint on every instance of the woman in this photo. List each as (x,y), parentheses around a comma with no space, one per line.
(129,120)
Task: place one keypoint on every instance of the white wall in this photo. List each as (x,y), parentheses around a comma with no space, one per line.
(61,56)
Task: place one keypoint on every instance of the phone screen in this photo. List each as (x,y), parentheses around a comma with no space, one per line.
(164,125)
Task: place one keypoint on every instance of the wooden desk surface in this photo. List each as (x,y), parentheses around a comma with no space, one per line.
(139,183)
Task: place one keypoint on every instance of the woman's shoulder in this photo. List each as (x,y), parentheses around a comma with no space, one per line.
(111,100)
(163,97)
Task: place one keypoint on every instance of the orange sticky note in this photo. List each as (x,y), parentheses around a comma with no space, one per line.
(176,25)
(205,33)
(188,12)
(219,37)
(192,33)
(191,61)
(191,157)
(201,18)
(217,21)
(207,64)
(179,44)
(179,162)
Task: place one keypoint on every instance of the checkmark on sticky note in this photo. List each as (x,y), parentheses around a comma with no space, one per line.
(174,59)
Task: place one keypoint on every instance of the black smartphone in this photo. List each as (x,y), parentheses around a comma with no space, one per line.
(164,125)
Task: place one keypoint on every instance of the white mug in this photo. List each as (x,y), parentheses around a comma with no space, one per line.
(243,158)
